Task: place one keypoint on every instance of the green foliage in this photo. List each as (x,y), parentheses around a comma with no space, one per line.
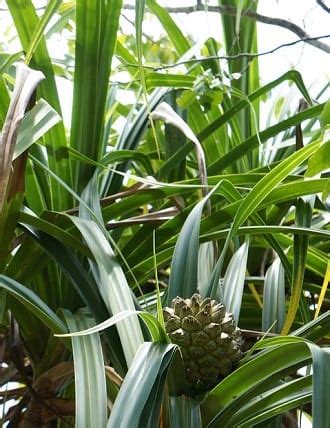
(101,223)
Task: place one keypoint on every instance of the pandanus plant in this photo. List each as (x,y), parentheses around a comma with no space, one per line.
(200,369)
(103,235)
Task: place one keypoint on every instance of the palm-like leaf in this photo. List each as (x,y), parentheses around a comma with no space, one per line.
(90,230)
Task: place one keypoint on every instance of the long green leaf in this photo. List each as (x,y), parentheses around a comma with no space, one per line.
(96,33)
(269,181)
(263,230)
(4,100)
(84,287)
(154,80)
(321,376)
(156,331)
(50,10)
(273,311)
(321,386)
(274,402)
(289,397)
(315,328)
(34,125)
(292,75)
(184,275)
(219,403)
(179,41)
(284,192)
(131,135)
(184,412)
(316,262)
(90,383)
(139,14)
(233,282)
(218,219)
(263,136)
(112,284)
(26,21)
(142,388)
(319,161)
(253,141)
(33,303)
(300,247)
(282,352)
(28,219)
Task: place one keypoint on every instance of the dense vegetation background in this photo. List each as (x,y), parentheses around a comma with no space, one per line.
(164,181)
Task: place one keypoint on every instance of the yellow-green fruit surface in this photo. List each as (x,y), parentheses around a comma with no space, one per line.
(209,341)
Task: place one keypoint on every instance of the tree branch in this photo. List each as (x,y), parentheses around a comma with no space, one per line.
(229,57)
(324,7)
(231,11)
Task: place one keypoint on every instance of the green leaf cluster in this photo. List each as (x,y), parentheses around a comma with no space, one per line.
(106,220)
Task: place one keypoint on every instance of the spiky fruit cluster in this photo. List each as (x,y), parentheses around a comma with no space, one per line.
(209,341)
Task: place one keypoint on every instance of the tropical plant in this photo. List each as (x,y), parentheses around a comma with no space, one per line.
(102,226)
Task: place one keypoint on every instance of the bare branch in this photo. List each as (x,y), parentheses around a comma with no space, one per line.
(294,28)
(230,57)
(324,6)
(231,11)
